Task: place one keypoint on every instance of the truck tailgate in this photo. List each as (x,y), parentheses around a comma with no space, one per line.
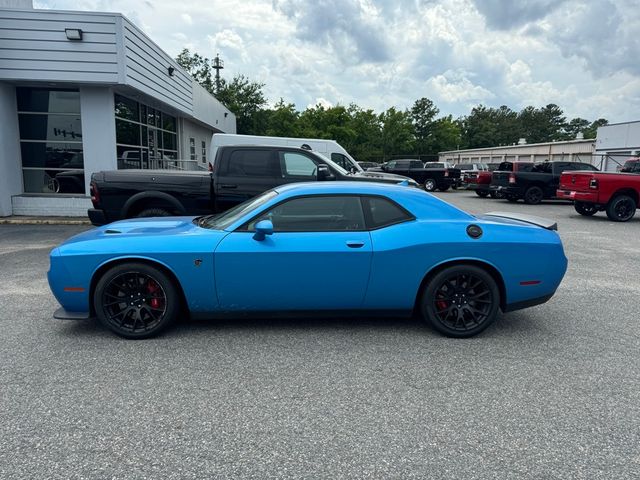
(575,181)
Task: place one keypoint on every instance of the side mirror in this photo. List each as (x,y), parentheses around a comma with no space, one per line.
(324,173)
(263,228)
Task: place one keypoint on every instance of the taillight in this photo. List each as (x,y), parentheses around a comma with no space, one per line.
(593,183)
(512,178)
(446,173)
(95,194)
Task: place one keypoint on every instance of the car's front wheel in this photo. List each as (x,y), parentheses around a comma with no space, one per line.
(136,300)
(460,301)
(430,185)
(586,209)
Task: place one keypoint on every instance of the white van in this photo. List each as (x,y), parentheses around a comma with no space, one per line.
(329,148)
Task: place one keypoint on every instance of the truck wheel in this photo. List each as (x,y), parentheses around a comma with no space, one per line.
(430,185)
(621,208)
(533,195)
(586,209)
(443,189)
(482,193)
(154,212)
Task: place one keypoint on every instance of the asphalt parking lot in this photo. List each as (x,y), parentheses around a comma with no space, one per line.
(548,392)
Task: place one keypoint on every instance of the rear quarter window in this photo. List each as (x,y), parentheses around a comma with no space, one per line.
(382,212)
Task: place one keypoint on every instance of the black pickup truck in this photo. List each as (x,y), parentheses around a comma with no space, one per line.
(430,175)
(237,174)
(534,182)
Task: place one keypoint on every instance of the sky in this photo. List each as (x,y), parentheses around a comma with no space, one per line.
(583,55)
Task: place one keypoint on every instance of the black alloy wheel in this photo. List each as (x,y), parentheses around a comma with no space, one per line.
(482,193)
(621,208)
(430,185)
(135,300)
(461,301)
(586,209)
(533,195)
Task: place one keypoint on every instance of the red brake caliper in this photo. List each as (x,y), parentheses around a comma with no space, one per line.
(153,287)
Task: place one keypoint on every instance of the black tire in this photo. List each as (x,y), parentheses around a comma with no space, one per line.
(443,189)
(496,194)
(149,300)
(430,184)
(511,198)
(586,209)
(621,208)
(482,193)
(154,212)
(533,195)
(455,187)
(460,301)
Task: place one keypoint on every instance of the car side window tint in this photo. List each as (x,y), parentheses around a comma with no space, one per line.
(297,165)
(330,213)
(415,164)
(382,212)
(403,164)
(341,160)
(391,164)
(252,163)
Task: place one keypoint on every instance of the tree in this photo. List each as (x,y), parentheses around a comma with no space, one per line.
(282,120)
(367,143)
(592,131)
(423,114)
(489,127)
(242,96)
(544,124)
(397,132)
(574,127)
(447,134)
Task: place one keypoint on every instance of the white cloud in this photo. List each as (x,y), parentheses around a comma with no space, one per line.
(582,55)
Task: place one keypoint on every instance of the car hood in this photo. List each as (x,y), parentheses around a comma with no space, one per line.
(136,227)
(369,176)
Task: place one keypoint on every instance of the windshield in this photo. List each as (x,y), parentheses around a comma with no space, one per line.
(220,222)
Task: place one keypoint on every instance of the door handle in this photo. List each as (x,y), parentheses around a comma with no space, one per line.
(227,185)
(355,244)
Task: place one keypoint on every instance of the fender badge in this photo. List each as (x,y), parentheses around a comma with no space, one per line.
(197,262)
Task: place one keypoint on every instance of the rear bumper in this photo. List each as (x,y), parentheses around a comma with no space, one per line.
(97,217)
(507,190)
(527,303)
(483,187)
(588,197)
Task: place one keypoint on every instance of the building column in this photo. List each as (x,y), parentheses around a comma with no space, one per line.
(10,158)
(98,131)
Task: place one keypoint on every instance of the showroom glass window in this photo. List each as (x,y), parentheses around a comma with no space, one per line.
(145,137)
(50,140)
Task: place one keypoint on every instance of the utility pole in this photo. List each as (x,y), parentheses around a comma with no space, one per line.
(217,66)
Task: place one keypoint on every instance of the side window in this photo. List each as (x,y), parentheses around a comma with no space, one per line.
(382,212)
(341,160)
(415,164)
(252,163)
(333,213)
(402,164)
(297,165)
(391,164)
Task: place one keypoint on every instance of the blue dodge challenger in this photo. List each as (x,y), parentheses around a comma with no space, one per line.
(322,247)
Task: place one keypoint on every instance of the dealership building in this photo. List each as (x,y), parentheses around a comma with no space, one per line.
(82,92)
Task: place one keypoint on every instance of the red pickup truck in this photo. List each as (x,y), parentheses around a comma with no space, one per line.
(618,194)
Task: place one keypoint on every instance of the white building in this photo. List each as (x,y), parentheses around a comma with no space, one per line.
(618,142)
(568,151)
(82,92)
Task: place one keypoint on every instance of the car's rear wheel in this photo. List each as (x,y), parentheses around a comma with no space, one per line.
(482,193)
(586,209)
(135,300)
(430,185)
(460,301)
(533,195)
(154,212)
(621,208)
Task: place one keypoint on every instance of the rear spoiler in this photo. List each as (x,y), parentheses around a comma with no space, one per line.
(523,217)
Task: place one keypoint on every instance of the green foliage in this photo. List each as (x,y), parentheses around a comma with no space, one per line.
(368,135)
